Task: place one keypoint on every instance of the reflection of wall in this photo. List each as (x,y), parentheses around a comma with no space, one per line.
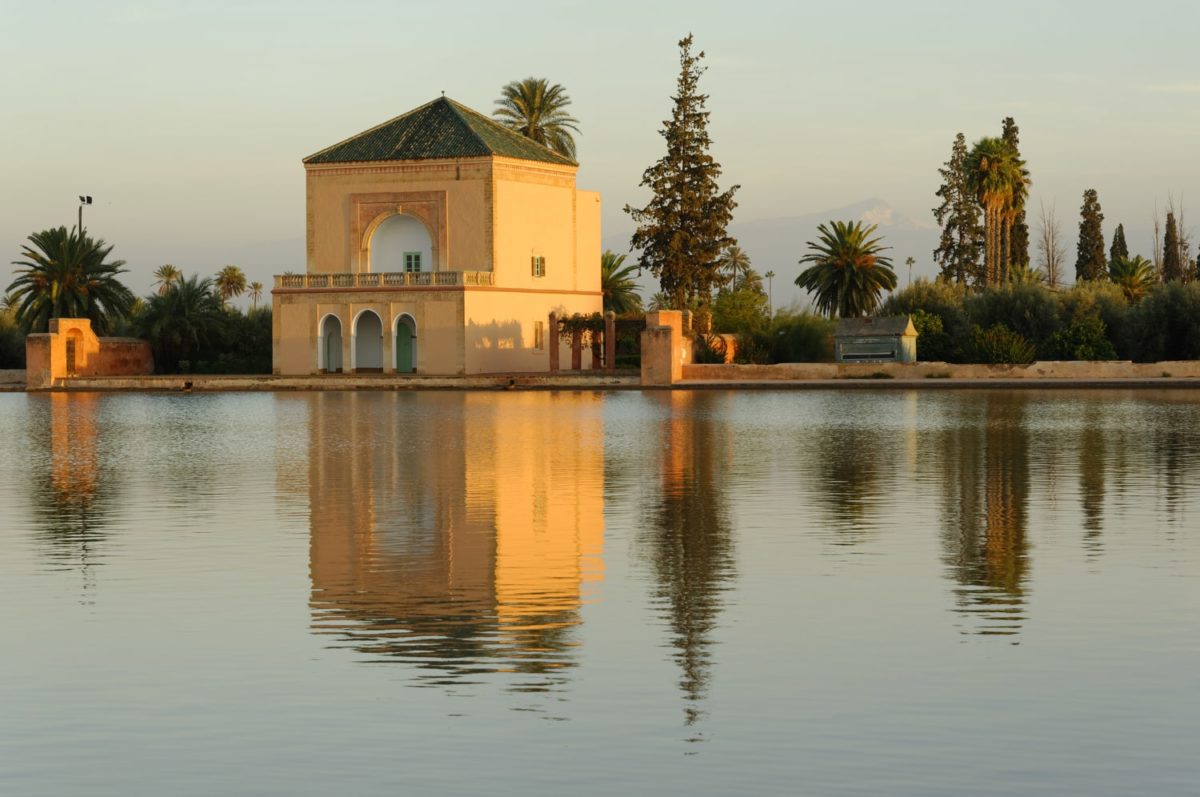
(72,487)
(454,528)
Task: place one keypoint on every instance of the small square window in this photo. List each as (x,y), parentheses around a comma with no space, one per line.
(538,266)
(412,261)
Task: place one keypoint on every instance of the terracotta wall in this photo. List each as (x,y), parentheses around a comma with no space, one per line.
(48,355)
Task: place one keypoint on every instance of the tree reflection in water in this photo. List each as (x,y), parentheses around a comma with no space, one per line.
(73,488)
(986,481)
(687,538)
(456,531)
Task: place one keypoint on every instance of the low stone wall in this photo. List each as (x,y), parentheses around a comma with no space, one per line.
(70,349)
(124,357)
(1184,369)
(205,383)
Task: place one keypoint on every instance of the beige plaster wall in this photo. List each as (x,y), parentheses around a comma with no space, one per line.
(587,240)
(438,315)
(457,193)
(500,329)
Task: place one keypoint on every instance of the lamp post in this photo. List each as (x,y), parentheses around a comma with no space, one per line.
(770,275)
(83,200)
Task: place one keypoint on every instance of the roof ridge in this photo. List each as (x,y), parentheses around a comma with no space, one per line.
(370,130)
(458,109)
(507,131)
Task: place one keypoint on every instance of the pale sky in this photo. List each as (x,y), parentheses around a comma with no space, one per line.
(187,121)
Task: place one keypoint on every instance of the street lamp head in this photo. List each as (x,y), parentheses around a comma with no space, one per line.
(85,200)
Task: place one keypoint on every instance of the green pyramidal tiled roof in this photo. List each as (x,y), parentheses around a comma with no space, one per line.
(440,129)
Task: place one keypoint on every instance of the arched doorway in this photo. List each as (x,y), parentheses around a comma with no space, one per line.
(329,350)
(406,344)
(74,350)
(368,343)
(400,243)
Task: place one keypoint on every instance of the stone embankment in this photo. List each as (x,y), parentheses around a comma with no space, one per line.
(199,383)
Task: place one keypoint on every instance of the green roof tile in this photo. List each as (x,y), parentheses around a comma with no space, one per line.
(440,129)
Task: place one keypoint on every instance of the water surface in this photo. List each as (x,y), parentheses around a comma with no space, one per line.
(890,592)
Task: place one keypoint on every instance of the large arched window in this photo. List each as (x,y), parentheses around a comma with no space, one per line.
(401,243)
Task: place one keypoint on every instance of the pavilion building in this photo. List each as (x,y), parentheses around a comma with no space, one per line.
(437,243)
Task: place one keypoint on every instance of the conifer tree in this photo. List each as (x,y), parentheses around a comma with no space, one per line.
(681,235)
(1018,236)
(1090,263)
(1120,250)
(1172,267)
(961,242)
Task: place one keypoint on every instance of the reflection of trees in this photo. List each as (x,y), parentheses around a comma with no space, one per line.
(849,469)
(454,531)
(73,487)
(1091,479)
(986,490)
(688,542)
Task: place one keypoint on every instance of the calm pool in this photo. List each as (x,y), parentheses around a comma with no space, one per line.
(535,593)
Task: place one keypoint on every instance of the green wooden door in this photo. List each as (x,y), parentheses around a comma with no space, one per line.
(404,349)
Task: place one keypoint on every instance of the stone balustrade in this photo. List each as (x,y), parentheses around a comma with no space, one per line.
(386,279)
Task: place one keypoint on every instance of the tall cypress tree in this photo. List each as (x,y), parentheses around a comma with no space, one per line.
(1172,268)
(1089,261)
(961,242)
(1120,249)
(1019,233)
(681,233)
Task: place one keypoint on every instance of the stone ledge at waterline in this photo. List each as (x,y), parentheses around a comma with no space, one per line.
(204,383)
(1072,370)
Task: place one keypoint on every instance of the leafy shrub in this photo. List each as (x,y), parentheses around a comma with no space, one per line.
(933,344)
(709,348)
(1029,310)
(999,345)
(801,338)
(12,342)
(739,311)
(1084,338)
(942,299)
(1109,301)
(1166,324)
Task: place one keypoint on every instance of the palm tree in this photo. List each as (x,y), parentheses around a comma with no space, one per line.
(848,274)
(735,262)
(165,276)
(180,322)
(1135,276)
(256,290)
(1000,180)
(230,283)
(617,285)
(68,275)
(770,275)
(662,301)
(537,110)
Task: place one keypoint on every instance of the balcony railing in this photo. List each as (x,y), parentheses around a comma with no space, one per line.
(386,279)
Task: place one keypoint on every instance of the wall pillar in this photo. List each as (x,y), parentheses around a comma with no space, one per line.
(553,342)
(577,350)
(663,348)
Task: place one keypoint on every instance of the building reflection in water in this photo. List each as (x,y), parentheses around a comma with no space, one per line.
(687,540)
(456,531)
(73,490)
(986,486)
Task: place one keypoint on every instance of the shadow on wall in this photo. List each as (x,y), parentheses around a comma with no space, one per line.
(496,335)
